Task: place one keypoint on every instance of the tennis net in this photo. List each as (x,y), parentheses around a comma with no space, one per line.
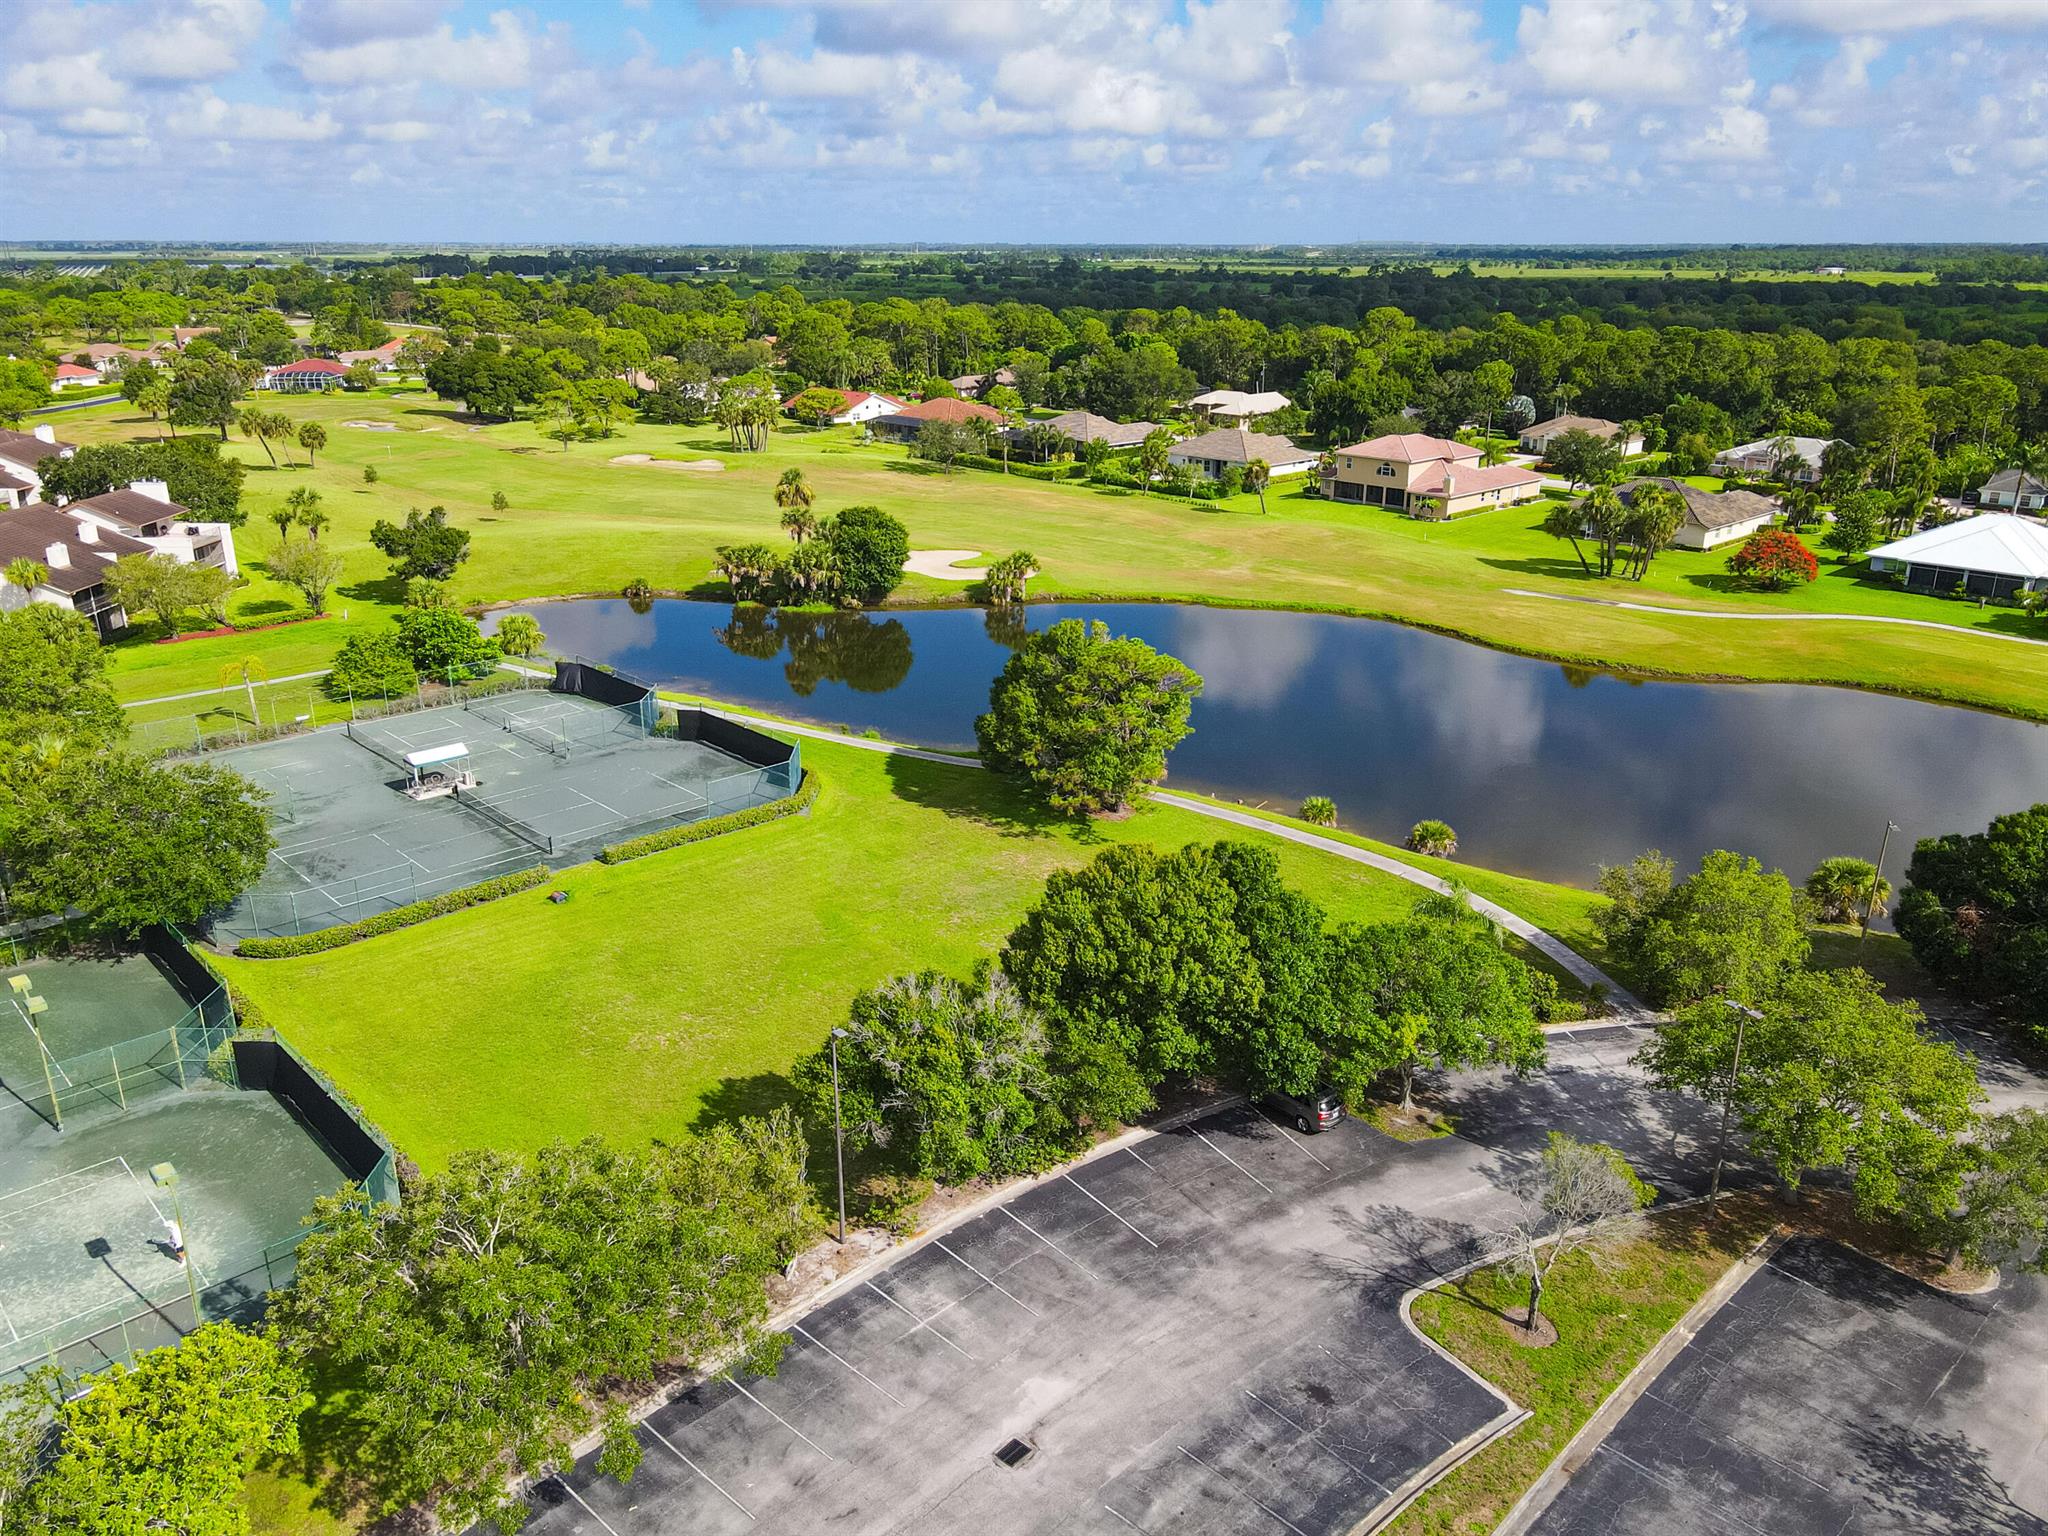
(363,739)
(512,824)
(564,733)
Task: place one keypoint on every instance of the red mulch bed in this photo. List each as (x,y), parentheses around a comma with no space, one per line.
(229,629)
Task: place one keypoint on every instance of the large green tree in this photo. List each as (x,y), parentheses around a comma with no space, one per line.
(131,843)
(53,677)
(425,544)
(1975,911)
(164,1445)
(1084,718)
(482,1315)
(1733,930)
(868,549)
(195,474)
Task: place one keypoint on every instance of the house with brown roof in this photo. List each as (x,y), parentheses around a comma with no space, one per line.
(1425,476)
(1079,427)
(384,359)
(976,384)
(1539,437)
(1711,517)
(183,335)
(1237,405)
(143,511)
(904,425)
(21,459)
(1215,453)
(74,556)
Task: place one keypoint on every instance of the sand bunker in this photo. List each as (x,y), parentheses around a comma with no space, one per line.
(697,466)
(941,563)
(373,426)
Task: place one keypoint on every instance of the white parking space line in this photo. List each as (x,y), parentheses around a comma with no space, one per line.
(1134,1152)
(778,1418)
(1085,1190)
(1240,1167)
(600,1519)
(985,1280)
(1126,1519)
(863,1375)
(921,1322)
(1310,1435)
(1055,1247)
(1239,1487)
(1293,1141)
(664,1439)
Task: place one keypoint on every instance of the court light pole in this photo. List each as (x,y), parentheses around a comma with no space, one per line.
(838,1135)
(1876,875)
(165,1178)
(1743,1014)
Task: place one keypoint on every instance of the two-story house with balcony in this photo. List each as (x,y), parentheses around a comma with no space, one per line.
(1424,476)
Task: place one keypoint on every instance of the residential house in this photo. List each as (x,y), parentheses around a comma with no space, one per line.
(1538,438)
(1237,405)
(144,511)
(383,359)
(1761,457)
(74,556)
(1226,448)
(904,425)
(305,376)
(21,459)
(978,384)
(1079,427)
(860,406)
(68,374)
(1431,477)
(1711,517)
(184,335)
(1994,554)
(1830,271)
(112,358)
(2013,488)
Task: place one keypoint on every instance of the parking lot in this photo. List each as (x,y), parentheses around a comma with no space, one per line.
(1831,1395)
(1196,1333)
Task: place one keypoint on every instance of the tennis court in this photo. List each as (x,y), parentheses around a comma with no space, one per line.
(534,777)
(124,1073)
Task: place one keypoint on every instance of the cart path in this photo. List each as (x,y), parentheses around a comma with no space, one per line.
(1718,613)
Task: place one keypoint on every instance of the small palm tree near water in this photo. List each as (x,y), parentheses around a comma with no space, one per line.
(1845,887)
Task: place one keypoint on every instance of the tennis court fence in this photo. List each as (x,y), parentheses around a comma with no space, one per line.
(272,914)
(114,1078)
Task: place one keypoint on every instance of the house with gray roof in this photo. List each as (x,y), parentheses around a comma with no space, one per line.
(1712,518)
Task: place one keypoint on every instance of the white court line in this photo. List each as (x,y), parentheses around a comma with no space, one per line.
(1239,1488)
(921,1322)
(600,1519)
(985,1280)
(1086,1191)
(664,1439)
(863,1375)
(1055,1247)
(13,1333)
(1288,1137)
(1134,1152)
(1240,1167)
(778,1418)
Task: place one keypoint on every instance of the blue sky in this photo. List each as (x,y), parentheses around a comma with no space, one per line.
(1238,121)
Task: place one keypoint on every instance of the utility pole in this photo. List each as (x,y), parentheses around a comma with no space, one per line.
(1876,879)
(1743,1014)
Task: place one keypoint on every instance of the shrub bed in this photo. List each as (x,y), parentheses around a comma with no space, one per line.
(697,831)
(290,945)
(1073,470)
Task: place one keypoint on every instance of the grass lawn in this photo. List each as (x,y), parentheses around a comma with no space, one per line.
(688,982)
(578,523)
(1606,1321)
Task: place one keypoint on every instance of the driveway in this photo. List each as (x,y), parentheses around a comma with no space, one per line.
(1833,1397)
(1197,1333)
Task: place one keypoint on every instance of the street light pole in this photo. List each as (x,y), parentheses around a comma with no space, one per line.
(1743,1014)
(838,1135)
(1876,877)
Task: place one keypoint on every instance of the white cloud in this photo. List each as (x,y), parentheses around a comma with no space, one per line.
(201,40)
(1835,93)
(1900,15)
(343,23)
(1733,131)
(498,60)
(1617,50)
(206,116)
(1427,51)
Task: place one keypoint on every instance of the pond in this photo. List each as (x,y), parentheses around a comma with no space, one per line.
(1543,769)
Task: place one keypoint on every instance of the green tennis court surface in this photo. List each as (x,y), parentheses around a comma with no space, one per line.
(556,777)
(88,1267)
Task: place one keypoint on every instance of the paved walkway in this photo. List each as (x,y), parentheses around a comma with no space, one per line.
(1809,618)
(1623,1003)
(207,693)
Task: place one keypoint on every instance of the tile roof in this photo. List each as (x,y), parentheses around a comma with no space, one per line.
(945,408)
(27,448)
(1470,479)
(1086,426)
(1412,448)
(1599,426)
(1709,509)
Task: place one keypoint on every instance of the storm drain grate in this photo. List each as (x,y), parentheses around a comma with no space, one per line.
(1015,1453)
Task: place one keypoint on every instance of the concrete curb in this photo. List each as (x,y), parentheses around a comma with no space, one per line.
(1580,1448)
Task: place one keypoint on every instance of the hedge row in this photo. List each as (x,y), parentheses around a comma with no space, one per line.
(1024,467)
(291,945)
(697,831)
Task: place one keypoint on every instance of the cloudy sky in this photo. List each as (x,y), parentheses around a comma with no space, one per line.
(1025,120)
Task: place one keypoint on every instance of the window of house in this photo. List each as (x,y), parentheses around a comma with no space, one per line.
(1385,471)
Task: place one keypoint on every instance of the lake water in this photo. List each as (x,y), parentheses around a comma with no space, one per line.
(1543,769)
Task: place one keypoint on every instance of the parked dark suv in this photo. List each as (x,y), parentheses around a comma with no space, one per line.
(1310,1112)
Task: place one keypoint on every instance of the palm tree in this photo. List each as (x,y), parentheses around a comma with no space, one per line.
(2031,460)
(27,574)
(1567,521)
(313,521)
(283,517)
(1656,515)
(1844,888)
(1256,474)
(1152,453)
(800,523)
(793,493)
(255,423)
(248,672)
(312,436)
